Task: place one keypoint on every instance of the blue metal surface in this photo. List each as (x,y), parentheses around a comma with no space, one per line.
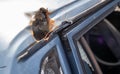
(10,65)
(8,60)
(81,26)
(76,8)
(23,40)
(32,65)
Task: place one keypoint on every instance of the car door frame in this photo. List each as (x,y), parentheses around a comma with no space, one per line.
(78,31)
(37,58)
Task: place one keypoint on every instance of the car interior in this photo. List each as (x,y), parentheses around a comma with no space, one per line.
(51,63)
(104,41)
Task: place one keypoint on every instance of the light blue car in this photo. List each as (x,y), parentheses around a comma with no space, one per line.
(86,41)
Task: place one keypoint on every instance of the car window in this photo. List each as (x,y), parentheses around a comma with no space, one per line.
(102,40)
(104,43)
(87,64)
(51,63)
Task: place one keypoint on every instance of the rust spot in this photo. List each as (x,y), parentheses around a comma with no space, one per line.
(42,24)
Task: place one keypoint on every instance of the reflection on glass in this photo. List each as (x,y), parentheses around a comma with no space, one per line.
(86,62)
(51,64)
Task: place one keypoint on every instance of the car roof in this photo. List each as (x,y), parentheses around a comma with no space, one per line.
(72,9)
(61,10)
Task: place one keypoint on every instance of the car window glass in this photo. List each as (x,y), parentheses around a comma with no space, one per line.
(87,64)
(104,42)
(51,63)
(101,40)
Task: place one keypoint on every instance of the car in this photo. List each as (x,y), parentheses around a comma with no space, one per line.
(85,41)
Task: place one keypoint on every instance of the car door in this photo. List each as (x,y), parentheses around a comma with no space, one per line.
(41,58)
(84,63)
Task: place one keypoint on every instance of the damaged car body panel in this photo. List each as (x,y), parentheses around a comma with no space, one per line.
(56,52)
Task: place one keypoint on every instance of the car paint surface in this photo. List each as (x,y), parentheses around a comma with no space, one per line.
(17,37)
(97,17)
